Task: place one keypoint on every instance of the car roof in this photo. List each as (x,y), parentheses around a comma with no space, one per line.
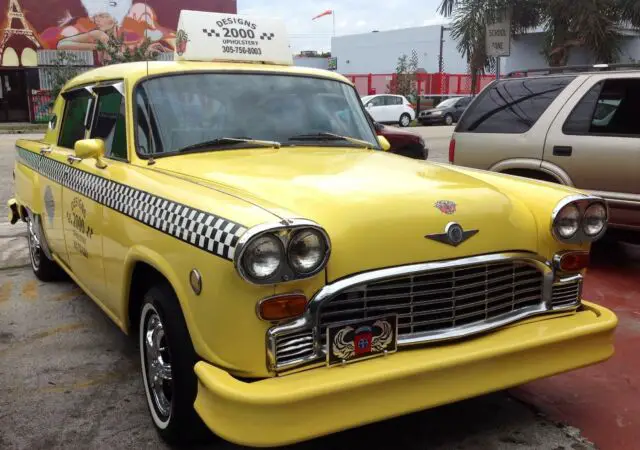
(136,71)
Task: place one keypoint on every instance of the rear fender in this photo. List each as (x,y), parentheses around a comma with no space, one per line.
(27,180)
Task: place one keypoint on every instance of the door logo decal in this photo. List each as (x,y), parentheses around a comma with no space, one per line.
(49,203)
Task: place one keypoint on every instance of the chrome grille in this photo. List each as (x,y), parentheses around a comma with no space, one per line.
(292,347)
(566,294)
(440,299)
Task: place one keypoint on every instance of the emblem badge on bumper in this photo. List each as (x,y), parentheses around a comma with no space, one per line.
(453,235)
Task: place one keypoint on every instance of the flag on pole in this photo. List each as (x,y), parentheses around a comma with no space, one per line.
(328,12)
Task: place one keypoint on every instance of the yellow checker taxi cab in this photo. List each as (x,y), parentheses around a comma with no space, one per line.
(287,278)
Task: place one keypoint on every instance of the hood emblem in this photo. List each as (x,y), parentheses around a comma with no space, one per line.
(453,235)
(446,206)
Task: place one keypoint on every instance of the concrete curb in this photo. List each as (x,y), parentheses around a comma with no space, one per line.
(14,249)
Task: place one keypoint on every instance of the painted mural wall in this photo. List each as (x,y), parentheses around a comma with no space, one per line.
(32,25)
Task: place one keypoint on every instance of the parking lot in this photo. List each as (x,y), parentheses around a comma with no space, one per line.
(70,379)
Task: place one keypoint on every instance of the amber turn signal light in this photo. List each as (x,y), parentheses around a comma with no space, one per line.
(572,261)
(281,307)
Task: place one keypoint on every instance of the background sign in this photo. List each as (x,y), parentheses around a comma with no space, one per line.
(204,36)
(498,37)
(333,63)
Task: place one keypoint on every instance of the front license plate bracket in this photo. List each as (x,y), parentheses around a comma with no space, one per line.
(356,340)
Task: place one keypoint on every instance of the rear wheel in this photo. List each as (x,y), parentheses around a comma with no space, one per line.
(405,120)
(43,268)
(167,358)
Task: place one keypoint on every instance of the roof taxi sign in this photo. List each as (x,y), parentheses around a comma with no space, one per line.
(205,36)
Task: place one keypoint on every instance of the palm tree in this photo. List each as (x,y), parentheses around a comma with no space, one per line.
(592,24)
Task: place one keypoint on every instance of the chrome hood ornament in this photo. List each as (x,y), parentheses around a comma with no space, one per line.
(453,235)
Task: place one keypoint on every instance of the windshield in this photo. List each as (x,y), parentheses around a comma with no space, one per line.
(447,103)
(181,111)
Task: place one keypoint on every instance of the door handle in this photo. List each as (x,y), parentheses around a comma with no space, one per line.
(73,159)
(562,150)
(45,150)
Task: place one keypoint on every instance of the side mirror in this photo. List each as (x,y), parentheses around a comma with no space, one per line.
(369,105)
(384,143)
(91,148)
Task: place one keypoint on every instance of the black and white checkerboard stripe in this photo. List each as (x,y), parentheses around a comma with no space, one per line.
(211,32)
(267,36)
(206,231)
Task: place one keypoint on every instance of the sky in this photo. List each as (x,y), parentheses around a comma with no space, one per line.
(351,16)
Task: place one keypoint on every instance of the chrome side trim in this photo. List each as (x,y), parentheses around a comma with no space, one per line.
(309,321)
(288,227)
(582,201)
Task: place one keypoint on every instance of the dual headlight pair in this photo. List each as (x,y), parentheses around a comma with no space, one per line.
(578,220)
(296,250)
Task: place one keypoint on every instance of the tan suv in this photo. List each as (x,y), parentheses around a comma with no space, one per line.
(579,128)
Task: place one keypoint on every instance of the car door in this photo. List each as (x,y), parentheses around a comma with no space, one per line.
(460,106)
(53,166)
(109,125)
(376,106)
(596,140)
(394,108)
(82,214)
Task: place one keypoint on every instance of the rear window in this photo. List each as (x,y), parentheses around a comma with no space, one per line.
(512,106)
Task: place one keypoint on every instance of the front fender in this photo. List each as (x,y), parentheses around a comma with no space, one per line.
(222,321)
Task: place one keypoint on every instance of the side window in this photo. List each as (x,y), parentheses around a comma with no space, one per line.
(512,106)
(73,122)
(110,124)
(377,101)
(391,100)
(610,108)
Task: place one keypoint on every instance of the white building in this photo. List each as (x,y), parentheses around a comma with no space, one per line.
(378,52)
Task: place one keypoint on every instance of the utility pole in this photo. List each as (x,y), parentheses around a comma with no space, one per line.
(441,58)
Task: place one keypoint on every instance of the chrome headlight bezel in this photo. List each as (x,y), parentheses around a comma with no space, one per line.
(582,203)
(284,231)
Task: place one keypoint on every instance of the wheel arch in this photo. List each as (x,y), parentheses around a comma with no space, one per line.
(144,267)
(533,168)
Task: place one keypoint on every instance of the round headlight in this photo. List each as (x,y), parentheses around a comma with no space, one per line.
(307,250)
(595,219)
(263,257)
(567,221)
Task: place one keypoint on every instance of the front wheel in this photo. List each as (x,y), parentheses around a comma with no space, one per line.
(448,119)
(167,358)
(405,120)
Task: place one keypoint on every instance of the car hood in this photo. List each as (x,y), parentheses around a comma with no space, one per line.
(435,109)
(376,207)
(393,131)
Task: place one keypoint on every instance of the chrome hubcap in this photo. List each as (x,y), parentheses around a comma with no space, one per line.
(34,246)
(405,121)
(158,365)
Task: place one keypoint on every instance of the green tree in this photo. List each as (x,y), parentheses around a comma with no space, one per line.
(404,81)
(594,25)
(65,66)
(115,51)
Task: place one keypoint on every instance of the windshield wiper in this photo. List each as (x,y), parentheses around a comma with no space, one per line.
(324,136)
(224,141)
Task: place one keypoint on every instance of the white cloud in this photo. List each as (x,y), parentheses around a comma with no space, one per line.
(351,16)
